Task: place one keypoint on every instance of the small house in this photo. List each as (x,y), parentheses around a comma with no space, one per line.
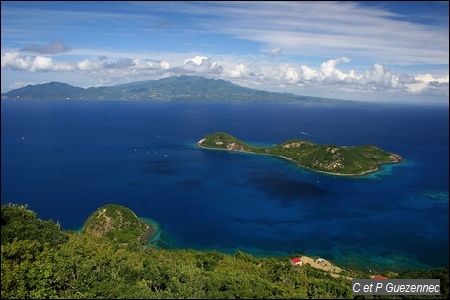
(295,261)
(379,277)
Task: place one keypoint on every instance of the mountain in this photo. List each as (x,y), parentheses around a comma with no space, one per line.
(184,88)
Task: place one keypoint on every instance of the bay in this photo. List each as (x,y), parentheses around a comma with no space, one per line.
(65,159)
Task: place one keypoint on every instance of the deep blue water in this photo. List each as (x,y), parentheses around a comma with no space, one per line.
(65,159)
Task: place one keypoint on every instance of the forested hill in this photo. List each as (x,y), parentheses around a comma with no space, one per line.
(117,223)
(39,260)
(185,88)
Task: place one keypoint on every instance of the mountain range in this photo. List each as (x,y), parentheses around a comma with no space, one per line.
(184,88)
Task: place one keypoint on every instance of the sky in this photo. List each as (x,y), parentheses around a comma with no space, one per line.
(382,51)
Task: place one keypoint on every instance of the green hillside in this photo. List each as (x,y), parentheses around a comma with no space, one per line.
(338,160)
(117,223)
(180,88)
(47,262)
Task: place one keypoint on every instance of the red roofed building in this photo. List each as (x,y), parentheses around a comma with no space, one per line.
(379,277)
(295,261)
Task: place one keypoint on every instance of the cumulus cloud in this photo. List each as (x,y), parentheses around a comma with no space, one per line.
(54,48)
(308,73)
(13,60)
(42,63)
(329,70)
(199,64)
(197,61)
(164,65)
(328,77)
(427,83)
(292,75)
(238,71)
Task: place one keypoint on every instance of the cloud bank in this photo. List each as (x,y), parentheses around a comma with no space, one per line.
(294,46)
(327,77)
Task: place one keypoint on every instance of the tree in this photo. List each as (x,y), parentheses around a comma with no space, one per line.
(18,222)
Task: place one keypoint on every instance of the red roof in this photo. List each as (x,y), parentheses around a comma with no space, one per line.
(379,277)
(296,260)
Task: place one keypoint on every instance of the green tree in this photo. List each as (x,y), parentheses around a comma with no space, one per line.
(19,222)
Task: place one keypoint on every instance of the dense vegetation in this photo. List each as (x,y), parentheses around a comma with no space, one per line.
(46,262)
(115,222)
(183,88)
(339,160)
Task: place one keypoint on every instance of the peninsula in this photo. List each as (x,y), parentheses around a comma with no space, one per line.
(331,159)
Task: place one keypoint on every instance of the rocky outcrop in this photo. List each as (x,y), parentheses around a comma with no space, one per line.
(396,157)
(235,147)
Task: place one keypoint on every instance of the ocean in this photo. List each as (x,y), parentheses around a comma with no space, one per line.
(65,159)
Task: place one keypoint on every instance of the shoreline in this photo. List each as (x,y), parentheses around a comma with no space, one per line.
(299,165)
(152,232)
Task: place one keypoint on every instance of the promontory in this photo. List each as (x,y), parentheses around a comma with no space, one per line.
(326,158)
(118,223)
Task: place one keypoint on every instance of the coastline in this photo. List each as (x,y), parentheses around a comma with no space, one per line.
(299,165)
(152,232)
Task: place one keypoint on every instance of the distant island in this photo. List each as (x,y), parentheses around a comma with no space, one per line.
(331,159)
(179,88)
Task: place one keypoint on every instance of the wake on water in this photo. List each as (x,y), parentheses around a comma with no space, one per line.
(320,137)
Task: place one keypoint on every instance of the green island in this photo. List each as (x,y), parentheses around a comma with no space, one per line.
(327,158)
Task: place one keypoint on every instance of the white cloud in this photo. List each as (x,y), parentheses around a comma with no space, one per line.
(198,64)
(317,40)
(427,83)
(237,71)
(42,63)
(85,65)
(198,60)
(308,73)
(292,75)
(14,61)
(244,71)
(324,28)
(329,70)
(165,65)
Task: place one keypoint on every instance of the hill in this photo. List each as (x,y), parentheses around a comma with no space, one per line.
(337,160)
(185,88)
(117,223)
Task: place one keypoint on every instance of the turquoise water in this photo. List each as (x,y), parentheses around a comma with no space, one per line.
(67,158)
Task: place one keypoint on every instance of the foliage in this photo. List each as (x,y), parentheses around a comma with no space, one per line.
(86,266)
(116,222)
(184,88)
(18,222)
(441,274)
(339,160)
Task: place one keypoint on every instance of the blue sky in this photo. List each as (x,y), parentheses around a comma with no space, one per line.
(375,50)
